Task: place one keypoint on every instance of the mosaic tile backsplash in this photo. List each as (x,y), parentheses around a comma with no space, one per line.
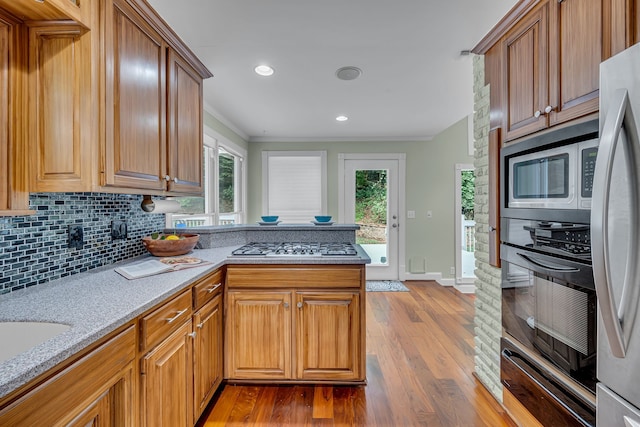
(35,249)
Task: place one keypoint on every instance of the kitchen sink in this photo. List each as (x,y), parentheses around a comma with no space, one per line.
(17,337)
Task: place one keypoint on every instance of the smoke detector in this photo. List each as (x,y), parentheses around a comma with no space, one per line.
(348,73)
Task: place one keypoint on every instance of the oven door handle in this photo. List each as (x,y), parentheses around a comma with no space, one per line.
(619,116)
(548,266)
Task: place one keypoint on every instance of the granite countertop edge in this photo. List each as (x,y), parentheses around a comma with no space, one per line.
(108,302)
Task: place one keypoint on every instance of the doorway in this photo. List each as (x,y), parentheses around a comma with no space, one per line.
(465,227)
(371,199)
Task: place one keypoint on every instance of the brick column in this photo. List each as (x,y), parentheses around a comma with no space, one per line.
(488,326)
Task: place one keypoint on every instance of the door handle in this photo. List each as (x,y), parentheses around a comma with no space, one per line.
(553,267)
(618,116)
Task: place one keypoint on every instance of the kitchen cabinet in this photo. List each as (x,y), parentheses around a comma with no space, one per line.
(145,148)
(551,62)
(49,10)
(328,335)
(295,323)
(167,381)
(167,364)
(14,192)
(97,389)
(258,335)
(207,354)
(59,111)
(525,50)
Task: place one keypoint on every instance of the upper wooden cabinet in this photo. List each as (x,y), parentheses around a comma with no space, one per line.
(542,60)
(153,93)
(49,10)
(14,192)
(135,99)
(525,53)
(59,111)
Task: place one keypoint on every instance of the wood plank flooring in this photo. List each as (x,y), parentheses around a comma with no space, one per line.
(420,352)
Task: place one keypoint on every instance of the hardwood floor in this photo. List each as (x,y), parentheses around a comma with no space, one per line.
(420,351)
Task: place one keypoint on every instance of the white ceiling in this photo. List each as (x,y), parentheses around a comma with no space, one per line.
(414,84)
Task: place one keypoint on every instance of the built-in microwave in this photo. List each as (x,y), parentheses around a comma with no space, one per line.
(551,173)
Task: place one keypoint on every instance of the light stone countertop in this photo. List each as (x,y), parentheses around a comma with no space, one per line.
(98,302)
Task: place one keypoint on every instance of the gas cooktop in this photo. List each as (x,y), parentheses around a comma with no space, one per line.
(295,249)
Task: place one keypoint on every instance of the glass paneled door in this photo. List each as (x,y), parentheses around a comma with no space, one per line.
(371,201)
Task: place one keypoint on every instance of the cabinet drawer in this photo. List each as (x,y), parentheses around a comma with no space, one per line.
(157,325)
(330,276)
(207,288)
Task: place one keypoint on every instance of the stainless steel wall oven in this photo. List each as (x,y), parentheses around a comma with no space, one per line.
(548,359)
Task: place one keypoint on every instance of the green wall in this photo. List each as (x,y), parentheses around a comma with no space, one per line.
(430,185)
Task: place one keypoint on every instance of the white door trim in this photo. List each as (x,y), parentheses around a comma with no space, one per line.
(466,283)
(402,167)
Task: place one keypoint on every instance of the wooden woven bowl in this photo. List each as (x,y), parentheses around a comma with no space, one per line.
(161,248)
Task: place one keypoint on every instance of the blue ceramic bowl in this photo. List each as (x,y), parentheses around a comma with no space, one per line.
(272,218)
(323,218)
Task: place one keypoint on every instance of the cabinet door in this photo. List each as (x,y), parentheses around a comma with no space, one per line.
(525,53)
(575,51)
(167,373)
(135,98)
(185,126)
(14,195)
(207,354)
(328,335)
(59,88)
(258,334)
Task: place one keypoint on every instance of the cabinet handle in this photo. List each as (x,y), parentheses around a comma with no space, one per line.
(178,314)
(192,334)
(286,305)
(537,114)
(299,304)
(213,288)
(200,325)
(548,109)
(167,178)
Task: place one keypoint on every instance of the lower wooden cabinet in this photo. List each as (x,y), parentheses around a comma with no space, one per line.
(300,335)
(167,374)
(328,335)
(96,390)
(207,354)
(258,335)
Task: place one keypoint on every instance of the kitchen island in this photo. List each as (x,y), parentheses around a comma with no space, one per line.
(101,306)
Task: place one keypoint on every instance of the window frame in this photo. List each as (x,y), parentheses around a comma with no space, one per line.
(214,141)
(266,155)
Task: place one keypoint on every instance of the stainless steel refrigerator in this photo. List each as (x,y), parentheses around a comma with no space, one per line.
(615,240)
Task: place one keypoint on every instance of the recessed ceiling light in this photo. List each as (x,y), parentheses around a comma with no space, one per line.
(348,73)
(342,118)
(264,70)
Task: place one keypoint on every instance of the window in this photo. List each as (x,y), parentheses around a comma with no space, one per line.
(224,181)
(294,184)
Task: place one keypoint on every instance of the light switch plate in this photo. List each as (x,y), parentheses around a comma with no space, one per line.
(411,214)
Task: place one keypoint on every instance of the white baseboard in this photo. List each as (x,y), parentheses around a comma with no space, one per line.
(446,282)
(465,288)
(422,276)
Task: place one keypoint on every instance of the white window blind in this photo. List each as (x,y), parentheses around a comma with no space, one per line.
(295,185)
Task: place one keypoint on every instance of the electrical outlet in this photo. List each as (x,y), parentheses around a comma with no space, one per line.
(76,236)
(453,270)
(118,229)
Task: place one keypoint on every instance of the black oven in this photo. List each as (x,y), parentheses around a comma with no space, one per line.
(548,291)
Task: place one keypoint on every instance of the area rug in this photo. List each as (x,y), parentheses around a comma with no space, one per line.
(386,286)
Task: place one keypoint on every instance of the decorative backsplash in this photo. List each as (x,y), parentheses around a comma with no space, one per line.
(35,249)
